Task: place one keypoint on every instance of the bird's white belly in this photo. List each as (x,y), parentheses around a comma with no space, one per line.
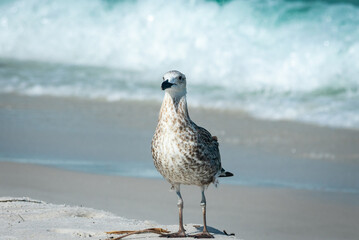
(175,163)
(172,156)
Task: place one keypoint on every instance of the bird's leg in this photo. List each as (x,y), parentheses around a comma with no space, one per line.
(204,233)
(181,231)
(180,208)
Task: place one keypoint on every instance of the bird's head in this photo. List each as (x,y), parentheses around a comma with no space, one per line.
(174,83)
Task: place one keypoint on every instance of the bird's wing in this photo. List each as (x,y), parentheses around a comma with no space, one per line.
(208,151)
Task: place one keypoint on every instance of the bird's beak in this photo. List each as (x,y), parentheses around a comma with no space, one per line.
(166,85)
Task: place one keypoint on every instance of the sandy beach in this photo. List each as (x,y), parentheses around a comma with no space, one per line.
(250,213)
(27,218)
(81,86)
(293,180)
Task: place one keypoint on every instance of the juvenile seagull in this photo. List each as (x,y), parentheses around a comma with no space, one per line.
(183,152)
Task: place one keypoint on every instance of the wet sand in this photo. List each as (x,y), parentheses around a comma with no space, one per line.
(249,212)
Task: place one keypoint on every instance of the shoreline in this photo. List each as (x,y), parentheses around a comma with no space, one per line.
(114,138)
(154,104)
(254,184)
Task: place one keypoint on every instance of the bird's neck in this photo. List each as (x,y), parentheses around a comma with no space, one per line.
(174,107)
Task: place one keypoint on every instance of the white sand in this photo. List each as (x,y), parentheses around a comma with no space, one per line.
(25,218)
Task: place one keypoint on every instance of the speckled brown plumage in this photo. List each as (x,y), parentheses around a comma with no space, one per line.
(183,152)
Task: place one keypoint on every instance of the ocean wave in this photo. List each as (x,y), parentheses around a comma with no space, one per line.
(276,59)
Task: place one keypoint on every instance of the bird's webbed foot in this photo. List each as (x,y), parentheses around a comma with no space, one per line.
(179,234)
(202,235)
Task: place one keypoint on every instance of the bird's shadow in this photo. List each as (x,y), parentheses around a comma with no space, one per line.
(213,230)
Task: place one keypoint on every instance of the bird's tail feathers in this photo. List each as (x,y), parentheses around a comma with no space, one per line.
(224,173)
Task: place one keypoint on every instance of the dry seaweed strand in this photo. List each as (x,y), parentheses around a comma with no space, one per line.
(128,233)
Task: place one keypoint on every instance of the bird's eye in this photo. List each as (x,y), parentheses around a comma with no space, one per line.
(180,77)
(163,78)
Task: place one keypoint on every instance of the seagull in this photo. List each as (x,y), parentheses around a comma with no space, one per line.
(183,152)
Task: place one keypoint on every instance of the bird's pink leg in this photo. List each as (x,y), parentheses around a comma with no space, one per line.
(181,231)
(204,233)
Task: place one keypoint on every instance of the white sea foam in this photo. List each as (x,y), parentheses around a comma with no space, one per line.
(276,59)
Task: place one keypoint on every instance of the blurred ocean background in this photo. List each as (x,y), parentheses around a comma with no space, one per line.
(275,59)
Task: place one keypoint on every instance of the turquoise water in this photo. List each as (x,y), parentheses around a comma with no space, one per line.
(296,60)
(320,176)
